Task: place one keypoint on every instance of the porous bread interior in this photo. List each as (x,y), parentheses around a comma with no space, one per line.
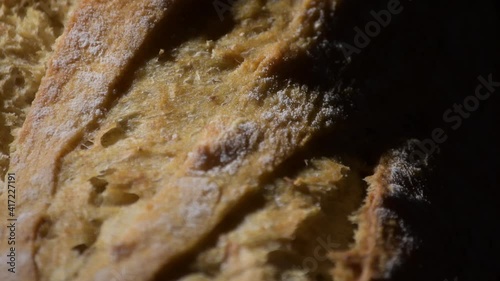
(28,30)
(177,100)
(289,234)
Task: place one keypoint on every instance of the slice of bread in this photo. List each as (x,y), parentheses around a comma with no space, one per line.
(176,140)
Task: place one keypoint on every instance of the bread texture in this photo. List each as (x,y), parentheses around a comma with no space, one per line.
(28,31)
(166,142)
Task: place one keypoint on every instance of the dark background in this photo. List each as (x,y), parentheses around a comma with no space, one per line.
(427,59)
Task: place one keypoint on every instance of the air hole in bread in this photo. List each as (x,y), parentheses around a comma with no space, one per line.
(107,172)
(98,187)
(104,193)
(80,248)
(284,259)
(112,136)
(96,223)
(86,235)
(19,82)
(116,197)
(43,230)
(119,132)
(98,184)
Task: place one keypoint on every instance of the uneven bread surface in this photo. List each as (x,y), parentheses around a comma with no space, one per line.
(28,30)
(156,144)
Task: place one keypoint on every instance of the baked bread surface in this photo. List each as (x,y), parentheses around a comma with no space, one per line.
(158,147)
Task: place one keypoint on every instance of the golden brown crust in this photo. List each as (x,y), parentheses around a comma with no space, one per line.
(213,173)
(126,167)
(89,58)
(383,239)
(28,30)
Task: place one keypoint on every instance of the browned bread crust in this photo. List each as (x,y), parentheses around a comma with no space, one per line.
(167,143)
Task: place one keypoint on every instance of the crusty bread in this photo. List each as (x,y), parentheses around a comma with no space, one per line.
(28,30)
(162,146)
